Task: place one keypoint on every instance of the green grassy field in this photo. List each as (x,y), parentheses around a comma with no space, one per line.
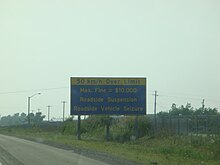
(174,150)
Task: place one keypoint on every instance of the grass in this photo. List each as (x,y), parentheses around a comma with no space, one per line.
(173,150)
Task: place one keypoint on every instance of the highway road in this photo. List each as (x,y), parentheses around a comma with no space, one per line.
(15,151)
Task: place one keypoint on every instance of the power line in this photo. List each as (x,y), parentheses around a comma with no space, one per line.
(180,97)
(185,97)
(180,93)
(166,94)
(162,106)
(26,91)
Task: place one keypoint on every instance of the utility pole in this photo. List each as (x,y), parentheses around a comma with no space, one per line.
(155,110)
(64,102)
(48,112)
(28,114)
(203,104)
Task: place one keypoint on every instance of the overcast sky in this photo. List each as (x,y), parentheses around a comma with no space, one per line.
(174,43)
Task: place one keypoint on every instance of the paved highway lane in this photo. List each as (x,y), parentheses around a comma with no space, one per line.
(15,151)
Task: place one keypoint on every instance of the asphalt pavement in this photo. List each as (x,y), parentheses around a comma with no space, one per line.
(15,151)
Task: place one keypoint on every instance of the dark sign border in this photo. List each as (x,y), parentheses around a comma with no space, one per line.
(74,91)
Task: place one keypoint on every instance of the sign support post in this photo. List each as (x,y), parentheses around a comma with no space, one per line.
(78,128)
(108,132)
(136,130)
(108,123)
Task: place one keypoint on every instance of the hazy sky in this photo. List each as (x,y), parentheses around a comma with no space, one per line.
(174,43)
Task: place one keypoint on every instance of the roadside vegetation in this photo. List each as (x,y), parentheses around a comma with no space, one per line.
(144,146)
(21,119)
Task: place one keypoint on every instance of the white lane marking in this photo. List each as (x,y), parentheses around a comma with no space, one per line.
(1,163)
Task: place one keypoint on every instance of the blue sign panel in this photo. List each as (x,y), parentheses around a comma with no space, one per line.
(108,96)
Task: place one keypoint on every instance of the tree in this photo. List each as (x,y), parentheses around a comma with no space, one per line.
(38,118)
(206,111)
(187,110)
(18,119)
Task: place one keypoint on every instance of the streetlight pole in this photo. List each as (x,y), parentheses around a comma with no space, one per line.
(64,102)
(29,106)
(48,113)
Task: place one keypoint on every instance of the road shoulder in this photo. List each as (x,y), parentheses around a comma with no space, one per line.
(7,159)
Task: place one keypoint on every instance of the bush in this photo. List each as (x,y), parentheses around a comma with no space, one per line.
(68,127)
(124,129)
(94,122)
(216,148)
(121,130)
